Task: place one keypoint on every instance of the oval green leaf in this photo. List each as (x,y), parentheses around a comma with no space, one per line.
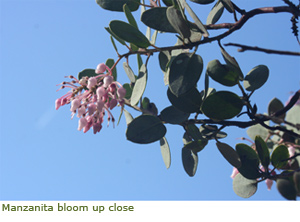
(178,22)
(256,78)
(165,152)
(145,129)
(229,154)
(244,187)
(286,188)
(185,71)
(263,151)
(129,33)
(117,5)
(222,74)
(156,18)
(189,161)
(279,156)
(129,72)
(274,106)
(222,105)
(87,72)
(203,2)
(139,86)
(293,117)
(249,160)
(173,116)
(215,14)
(188,103)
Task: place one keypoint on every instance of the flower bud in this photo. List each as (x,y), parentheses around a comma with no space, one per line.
(57,103)
(92,108)
(113,103)
(81,111)
(82,123)
(75,104)
(101,91)
(91,82)
(121,92)
(101,68)
(107,80)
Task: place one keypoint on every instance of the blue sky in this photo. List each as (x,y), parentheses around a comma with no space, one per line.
(44,157)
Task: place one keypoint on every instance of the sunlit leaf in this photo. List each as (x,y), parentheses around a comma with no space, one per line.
(215,14)
(139,86)
(165,152)
(244,187)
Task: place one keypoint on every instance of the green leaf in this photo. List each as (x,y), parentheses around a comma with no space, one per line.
(222,105)
(274,106)
(87,72)
(249,160)
(129,33)
(197,21)
(211,131)
(128,88)
(286,188)
(178,22)
(244,187)
(293,117)
(203,2)
(215,14)
(168,2)
(145,129)
(228,5)
(116,37)
(129,72)
(165,152)
(196,146)
(194,132)
(139,86)
(173,116)
(110,63)
(129,16)
(117,5)
(263,151)
(222,74)
(185,71)
(128,116)
(189,161)
(188,103)
(255,130)
(256,78)
(156,18)
(229,154)
(296,179)
(232,63)
(164,58)
(279,154)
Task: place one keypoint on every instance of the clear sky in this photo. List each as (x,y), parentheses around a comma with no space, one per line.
(44,157)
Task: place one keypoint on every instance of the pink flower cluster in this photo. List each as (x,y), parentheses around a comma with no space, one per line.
(92,97)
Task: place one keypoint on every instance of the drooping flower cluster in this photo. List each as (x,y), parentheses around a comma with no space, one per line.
(92,98)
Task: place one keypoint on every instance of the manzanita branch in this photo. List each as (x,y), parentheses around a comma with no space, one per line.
(244,48)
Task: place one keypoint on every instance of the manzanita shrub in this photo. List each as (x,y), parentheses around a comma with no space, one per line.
(203,112)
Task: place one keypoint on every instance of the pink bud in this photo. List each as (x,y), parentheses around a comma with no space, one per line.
(107,81)
(91,82)
(57,103)
(100,105)
(82,123)
(81,111)
(112,87)
(97,127)
(75,104)
(101,91)
(101,68)
(89,124)
(234,173)
(269,183)
(92,108)
(121,92)
(113,103)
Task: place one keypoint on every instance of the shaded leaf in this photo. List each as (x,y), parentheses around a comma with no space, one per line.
(249,160)
(87,72)
(215,14)
(129,16)
(232,63)
(156,18)
(286,188)
(229,154)
(203,2)
(139,87)
(129,33)
(244,187)
(116,37)
(185,72)
(188,103)
(173,116)
(165,152)
(228,5)
(196,146)
(194,132)
(296,179)
(222,74)
(263,151)
(293,117)
(178,22)
(117,5)
(110,63)
(256,78)
(211,131)
(279,154)
(189,161)
(274,106)
(222,105)
(145,129)
(128,88)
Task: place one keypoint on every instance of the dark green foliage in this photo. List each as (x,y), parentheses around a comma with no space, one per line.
(117,5)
